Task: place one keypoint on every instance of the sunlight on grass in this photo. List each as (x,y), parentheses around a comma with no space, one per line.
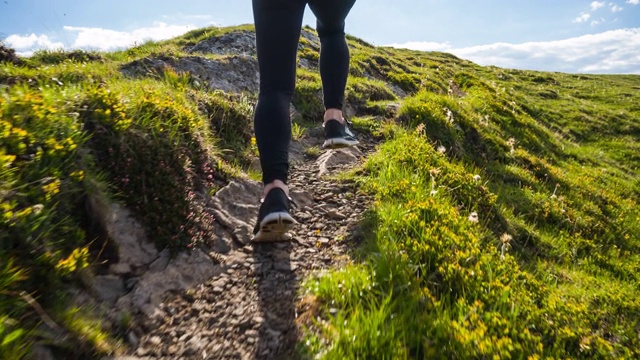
(538,260)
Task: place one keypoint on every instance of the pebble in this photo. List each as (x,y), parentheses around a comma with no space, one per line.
(238,311)
(133,339)
(318,226)
(142,351)
(155,340)
(335,215)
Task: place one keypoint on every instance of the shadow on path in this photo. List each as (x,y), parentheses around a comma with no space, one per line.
(277,288)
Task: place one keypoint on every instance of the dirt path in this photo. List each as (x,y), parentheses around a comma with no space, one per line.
(248,310)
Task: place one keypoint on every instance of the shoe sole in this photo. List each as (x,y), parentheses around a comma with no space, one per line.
(274,228)
(338,143)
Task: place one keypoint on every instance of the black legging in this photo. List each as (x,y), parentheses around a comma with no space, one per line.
(278,24)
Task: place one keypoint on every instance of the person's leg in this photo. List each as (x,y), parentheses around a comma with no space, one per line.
(334,52)
(278,24)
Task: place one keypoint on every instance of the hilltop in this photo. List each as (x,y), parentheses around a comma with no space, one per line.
(489,211)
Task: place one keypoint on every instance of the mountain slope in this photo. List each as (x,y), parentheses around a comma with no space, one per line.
(505,221)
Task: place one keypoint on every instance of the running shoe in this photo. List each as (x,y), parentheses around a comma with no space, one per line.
(274,219)
(338,135)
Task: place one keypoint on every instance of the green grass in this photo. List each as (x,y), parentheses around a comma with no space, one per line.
(505,221)
(312,152)
(297,132)
(433,283)
(74,134)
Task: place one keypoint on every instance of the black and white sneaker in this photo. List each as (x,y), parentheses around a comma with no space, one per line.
(274,220)
(338,135)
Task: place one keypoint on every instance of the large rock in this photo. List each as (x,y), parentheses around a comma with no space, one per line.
(9,55)
(236,207)
(337,158)
(184,271)
(312,38)
(242,42)
(231,74)
(134,249)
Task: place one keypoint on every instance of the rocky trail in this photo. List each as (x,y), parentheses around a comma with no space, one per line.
(250,305)
(231,299)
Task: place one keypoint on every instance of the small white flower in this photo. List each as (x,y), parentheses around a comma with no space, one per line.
(434,192)
(37,208)
(512,144)
(476,177)
(449,114)
(505,238)
(473,217)
(484,121)
(554,196)
(442,149)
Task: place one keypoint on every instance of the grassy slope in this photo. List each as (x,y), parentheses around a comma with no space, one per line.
(75,135)
(506,220)
(549,268)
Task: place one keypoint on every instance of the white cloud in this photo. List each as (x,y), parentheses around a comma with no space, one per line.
(615,51)
(106,39)
(582,18)
(25,44)
(595,5)
(96,38)
(633,2)
(615,8)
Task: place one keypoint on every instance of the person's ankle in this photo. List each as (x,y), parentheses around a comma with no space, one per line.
(275,184)
(333,114)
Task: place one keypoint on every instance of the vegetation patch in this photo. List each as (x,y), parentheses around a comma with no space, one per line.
(46,177)
(231,121)
(75,133)
(307,99)
(439,276)
(153,149)
(505,223)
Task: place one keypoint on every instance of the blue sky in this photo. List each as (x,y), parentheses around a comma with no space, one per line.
(552,35)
